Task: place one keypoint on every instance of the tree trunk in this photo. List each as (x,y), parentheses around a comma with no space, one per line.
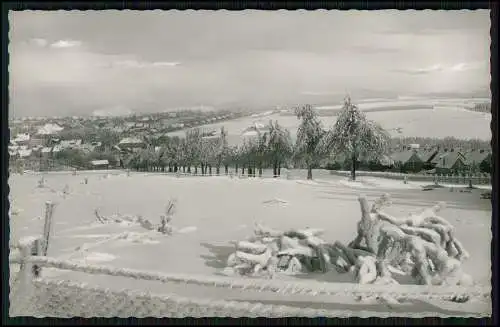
(279,169)
(175,168)
(249,171)
(309,172)
(353,166)
(275,169)
(210,169)
(236,169)
(189,169)
(243,170)
(196,170)
(169,168)
(217,170)
(226,169)
(202,169)
(260,170)
(183,169)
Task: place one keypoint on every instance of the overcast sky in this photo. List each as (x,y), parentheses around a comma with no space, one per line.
(77,62)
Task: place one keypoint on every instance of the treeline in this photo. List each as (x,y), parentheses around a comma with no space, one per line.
(352,143)
(444,143)
(352,138)
(200,154)
(482,107)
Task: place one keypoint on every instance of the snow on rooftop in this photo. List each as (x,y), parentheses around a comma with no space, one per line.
(250,133)
(24,153)
(22,137)
(130,140)
(68,143)
(99,162)
(49,129)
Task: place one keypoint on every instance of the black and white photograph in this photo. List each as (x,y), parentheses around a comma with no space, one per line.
(197,163)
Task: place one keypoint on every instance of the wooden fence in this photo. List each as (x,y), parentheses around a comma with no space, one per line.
(478,179)
(37,296)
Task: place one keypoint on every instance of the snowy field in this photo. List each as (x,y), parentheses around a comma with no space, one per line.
(212,212)
(446,118)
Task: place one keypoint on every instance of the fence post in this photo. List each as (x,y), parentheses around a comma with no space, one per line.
(49,210)
(28,246)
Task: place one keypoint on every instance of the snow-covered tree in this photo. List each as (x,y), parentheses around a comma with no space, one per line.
(168,152)
(108,138)
(262,150)
(237,156)
(248,154)
(309,135)
(193,148)
(146,158)
(207,154)
(181,156)
(355,136)
(221,150)
(279,146)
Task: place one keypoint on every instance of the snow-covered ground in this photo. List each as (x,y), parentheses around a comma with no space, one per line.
(211,213)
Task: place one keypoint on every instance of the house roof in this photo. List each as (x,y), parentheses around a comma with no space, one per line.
(427,155)
(22,137)
(477,156)
(441,154)
(386,160)
(447,160)
(68,143)
(24,153)
(405,156)
(49,129)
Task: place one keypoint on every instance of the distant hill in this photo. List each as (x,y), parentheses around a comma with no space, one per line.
(112,112)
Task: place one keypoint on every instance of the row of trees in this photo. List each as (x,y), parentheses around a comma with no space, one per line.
(352,136)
